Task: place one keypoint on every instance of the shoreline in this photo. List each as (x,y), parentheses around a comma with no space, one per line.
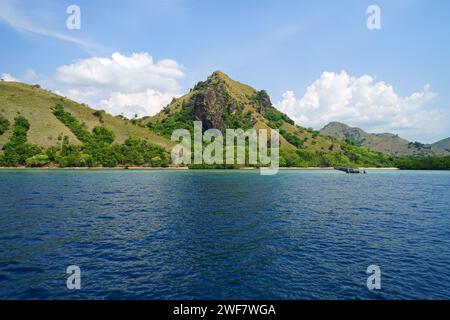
(94,168)
(181,168)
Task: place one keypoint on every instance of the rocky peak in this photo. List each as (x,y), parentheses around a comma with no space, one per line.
(207,109)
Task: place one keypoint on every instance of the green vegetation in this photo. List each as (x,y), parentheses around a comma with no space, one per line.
(97,148)
(180,120)
(39,160)
(17,150)
(237,120)
(423,163)
(292,138)
(300,147)
(276,118)
(366,158)
(354,142)
(140,153)
(37,106)
(4,124)
(73,135)
(72,123)
(350,155)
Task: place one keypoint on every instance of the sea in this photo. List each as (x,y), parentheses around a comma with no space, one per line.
(224,234)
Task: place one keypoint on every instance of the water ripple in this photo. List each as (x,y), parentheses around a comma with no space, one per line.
(224,234)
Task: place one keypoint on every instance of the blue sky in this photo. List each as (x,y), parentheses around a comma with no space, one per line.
(280,46)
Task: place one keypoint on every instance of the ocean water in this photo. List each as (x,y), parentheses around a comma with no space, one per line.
(224,234)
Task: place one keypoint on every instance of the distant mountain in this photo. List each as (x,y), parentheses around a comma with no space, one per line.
(442,146)
(384,142)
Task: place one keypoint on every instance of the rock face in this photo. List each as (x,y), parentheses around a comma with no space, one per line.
(264,101)
(208,110)
(214,104)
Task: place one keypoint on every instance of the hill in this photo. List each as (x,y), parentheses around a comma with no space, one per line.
(39,128)
(388,143)
(35,104)
(442,146)
(221,102)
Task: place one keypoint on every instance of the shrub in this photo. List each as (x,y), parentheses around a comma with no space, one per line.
(276,117)
(292,138)
(97,148)
(103,135)
(17,150)
(4,125)
(39,160)
(98,113)
(72,123)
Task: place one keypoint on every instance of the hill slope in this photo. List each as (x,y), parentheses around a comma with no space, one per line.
(384,142)
(35,104)
(442,146)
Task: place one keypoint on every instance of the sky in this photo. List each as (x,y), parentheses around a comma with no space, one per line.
(318,60)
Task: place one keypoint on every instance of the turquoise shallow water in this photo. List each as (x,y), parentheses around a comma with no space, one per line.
(224,234)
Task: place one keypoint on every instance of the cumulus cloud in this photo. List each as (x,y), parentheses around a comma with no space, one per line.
(131,73)
(8,77)
(148,102)
(363,102)
(120,84)
(128,85)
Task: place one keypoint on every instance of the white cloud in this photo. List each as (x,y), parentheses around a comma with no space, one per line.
(362,102)
(144,103)
(131,73)
(8,77)
(30,76)
(128,85)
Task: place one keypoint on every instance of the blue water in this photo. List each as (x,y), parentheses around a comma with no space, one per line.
(224,234)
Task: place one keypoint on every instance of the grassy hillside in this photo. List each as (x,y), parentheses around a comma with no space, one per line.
(39,128)
(36,105)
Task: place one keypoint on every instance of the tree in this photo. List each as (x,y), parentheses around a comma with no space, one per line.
(17,150)
(39,160)
(103,134)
